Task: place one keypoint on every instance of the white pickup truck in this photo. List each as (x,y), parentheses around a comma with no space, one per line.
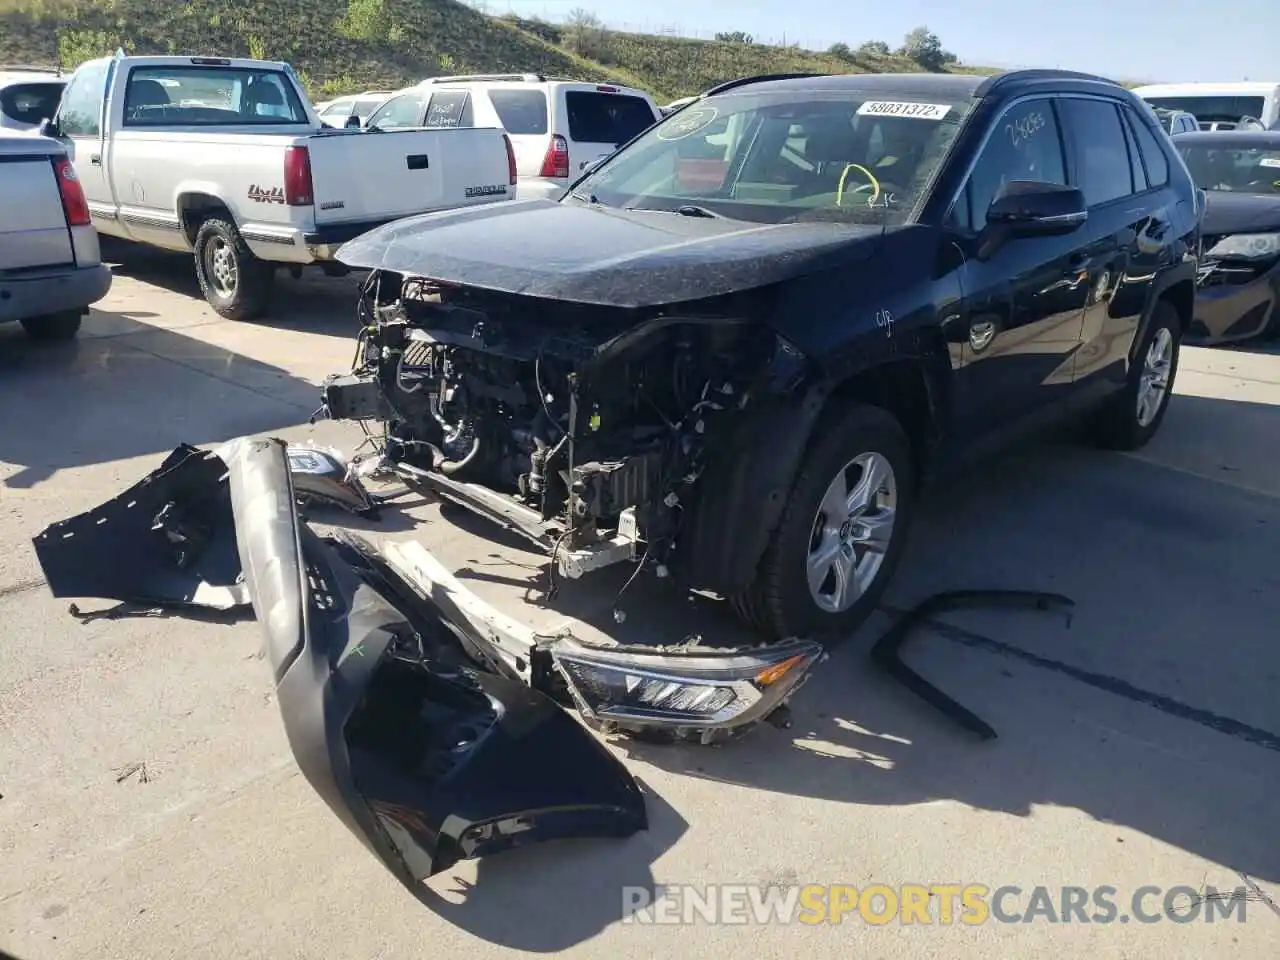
(226,158)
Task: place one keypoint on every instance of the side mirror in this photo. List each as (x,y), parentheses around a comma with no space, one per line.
(1031,208)
(49,128)
(353,123)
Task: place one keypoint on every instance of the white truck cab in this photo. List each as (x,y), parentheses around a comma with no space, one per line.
(227,159)
(1218,105)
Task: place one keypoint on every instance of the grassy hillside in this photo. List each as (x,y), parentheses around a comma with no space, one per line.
(340,46)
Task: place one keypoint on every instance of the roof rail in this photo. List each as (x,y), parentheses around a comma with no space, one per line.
(514,77)
(762,78)
(29,68)
(1000,79)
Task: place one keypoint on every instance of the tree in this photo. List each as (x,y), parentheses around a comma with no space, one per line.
(925,49)
(874,48)
(586,35)
(840,51)
(735,36)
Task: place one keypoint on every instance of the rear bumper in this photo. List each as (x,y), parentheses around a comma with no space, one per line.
(323,242)
(58,290)
(541,188)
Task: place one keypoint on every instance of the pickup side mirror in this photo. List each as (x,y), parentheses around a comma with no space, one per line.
(49,128)
(1032,208)
(353,123)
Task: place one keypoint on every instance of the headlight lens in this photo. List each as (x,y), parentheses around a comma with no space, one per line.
(698,688)
(1248,246)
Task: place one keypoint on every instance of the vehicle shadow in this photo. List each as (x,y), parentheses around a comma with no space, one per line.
(1154,711)
(108,397)
(513,895)
(312,303)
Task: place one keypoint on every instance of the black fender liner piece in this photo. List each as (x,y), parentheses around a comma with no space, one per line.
(887,652)
(749,476)
(168,540)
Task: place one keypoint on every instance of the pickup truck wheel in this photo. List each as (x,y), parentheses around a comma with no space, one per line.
(1128,420)
(236,283)
(840,537)
(53,326)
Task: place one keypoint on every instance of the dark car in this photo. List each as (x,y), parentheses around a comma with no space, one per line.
(734,351)
(742,340)
(1238,289)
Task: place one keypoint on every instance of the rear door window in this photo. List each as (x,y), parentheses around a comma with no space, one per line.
(1101,150)
(521,111)
(606,117)
(30,102)
(449,108)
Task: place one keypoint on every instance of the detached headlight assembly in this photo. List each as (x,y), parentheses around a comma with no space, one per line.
(702,690)
(1247,246)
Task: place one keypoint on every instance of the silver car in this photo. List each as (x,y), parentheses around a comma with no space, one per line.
(50,266)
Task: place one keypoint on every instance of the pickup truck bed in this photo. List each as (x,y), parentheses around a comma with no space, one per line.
(227,159)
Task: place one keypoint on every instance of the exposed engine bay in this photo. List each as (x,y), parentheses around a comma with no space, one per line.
(586,429)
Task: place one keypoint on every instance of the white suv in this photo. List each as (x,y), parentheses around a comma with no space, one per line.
(27,96)
(360,105)
(557,127)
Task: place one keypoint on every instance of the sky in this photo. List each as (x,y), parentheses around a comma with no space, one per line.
(1171,40)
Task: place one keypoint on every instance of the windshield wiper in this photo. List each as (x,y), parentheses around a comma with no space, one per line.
(589,198)
(692,210)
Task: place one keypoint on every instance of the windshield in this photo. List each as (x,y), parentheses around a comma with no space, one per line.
(1208,109)
(776,158)
(208,96)
(1238,169)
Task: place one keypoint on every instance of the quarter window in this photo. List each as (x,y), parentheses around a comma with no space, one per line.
(1101,150)
(1153,155)
(1025,145)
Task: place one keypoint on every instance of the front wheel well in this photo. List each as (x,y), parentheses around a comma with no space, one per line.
(195,208)
(902,388)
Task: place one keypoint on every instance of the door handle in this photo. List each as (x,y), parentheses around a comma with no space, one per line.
(95,159)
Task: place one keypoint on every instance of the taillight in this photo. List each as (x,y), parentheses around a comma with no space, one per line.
(74,205)
(297,177)
(606,89)
(556,162)
(511,159)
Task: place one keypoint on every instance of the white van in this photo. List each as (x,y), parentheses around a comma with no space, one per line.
(558,127)
(1218,106)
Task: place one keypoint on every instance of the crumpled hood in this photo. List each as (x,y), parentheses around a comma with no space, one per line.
(601,255)
(1227,212)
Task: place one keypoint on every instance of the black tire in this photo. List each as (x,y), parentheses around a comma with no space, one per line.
(779,602)
(53,327)
(1271,332)
(247,294)
(1117,425)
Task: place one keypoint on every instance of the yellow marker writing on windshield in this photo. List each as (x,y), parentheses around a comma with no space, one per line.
(875,184)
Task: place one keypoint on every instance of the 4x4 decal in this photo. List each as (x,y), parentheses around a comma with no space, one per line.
(266,194)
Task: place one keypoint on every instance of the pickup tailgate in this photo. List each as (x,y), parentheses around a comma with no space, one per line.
(33,228)
(377,175)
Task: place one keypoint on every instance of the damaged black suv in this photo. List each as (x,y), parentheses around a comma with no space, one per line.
(737,347)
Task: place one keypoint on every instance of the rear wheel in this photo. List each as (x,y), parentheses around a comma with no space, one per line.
(236,283)
(841,535)
(53,326)
(1131,418)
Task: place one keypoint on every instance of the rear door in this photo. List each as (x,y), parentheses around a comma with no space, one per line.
(370,176)
(598,120)
(525,114)
(33,228)
(1127,232)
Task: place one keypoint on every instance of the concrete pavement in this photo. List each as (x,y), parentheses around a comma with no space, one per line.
(149,806)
